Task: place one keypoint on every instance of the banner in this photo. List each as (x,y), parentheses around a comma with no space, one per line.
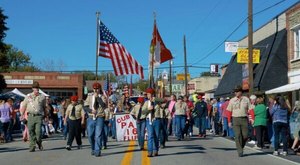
(125,127)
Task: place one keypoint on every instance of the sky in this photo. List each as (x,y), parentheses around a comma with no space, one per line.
(64,31)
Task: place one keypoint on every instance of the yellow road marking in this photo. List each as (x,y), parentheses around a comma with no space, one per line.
(129,153)
(145,158)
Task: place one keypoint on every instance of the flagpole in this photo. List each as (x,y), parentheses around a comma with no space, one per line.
(97,42)
(152,58)
(130,85)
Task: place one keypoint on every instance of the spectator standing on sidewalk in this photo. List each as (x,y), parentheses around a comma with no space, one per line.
(5,118)
(279,113)
(295,128)
(238,110)
(260,121)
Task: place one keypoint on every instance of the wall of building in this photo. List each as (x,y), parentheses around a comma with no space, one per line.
(203,84)
(52,83)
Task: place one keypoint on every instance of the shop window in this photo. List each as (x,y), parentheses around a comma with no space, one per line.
(296,43)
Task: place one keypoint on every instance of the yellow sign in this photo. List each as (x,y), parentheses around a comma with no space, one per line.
(181,77)
(242,56)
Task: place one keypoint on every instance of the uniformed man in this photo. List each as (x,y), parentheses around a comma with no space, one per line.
(95,123)
(140,118)
(237,110)
(153,124)
(35,105)
(75,114)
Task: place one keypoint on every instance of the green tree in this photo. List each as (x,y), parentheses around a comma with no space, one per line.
(3,84)
(141,85)
(17,58)
(3,28)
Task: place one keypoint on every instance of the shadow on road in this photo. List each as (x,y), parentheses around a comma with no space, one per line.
(12,149)
(224,149)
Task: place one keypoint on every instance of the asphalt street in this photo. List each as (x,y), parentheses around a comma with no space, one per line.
(210,151)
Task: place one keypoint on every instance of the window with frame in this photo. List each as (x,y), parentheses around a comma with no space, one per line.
(296,43)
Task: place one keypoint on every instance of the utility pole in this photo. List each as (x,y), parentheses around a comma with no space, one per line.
(250,45)
(97,42)
(185,67)
(170,78)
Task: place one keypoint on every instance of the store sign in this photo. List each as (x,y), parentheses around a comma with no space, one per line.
(231,47)
(182,77)
(214,68)
(16,81)
(242,56)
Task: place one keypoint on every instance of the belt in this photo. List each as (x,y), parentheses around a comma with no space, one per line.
(32,114)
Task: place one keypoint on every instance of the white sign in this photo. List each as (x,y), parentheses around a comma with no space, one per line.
(214,68)
(231,47)
(125,127)
(19,81)
(165,75)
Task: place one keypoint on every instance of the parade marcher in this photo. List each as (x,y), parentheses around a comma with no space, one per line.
(160,116)
(35,105)
(151,123)
(75,114)
(65,105)
(200,114)
(190,121)
(279,114)
(140,118)
(96,102)
(180,117)
(112,122)
(164,125)
(237,111)
(105,128)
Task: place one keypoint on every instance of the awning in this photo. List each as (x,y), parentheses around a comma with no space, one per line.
(284,88)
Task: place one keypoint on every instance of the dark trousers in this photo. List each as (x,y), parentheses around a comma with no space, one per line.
(163,132)
(5,130)
(280,128)
(260,135)
(240,128)
(74,131)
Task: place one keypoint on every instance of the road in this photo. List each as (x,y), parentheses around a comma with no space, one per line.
(212,151)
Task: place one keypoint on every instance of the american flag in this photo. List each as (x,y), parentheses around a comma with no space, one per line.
(122,61)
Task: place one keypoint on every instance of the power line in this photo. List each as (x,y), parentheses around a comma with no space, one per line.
(221,43)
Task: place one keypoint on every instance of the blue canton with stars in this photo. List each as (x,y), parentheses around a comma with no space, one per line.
(105,35)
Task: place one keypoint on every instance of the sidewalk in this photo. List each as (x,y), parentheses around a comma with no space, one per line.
(269,150)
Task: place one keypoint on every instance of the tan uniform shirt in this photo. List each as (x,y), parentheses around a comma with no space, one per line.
(79,112)
(159,112)
(239,107)
(136,109)
(35,104)
(90,102)
(180,108)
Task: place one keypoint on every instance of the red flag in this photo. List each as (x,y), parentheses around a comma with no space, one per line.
(122,61)
(158,48)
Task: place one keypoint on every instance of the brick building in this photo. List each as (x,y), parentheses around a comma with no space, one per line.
(53,83)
